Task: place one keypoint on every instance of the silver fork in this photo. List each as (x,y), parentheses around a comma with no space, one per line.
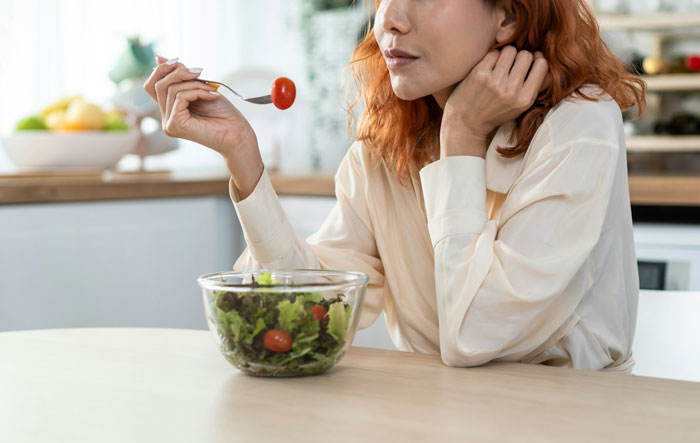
(262,100)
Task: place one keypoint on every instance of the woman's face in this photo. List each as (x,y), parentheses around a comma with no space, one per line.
(431,45)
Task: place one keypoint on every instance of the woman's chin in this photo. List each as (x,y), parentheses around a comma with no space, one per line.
(407,94)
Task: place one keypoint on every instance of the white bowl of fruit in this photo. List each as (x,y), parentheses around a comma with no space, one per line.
(70,134)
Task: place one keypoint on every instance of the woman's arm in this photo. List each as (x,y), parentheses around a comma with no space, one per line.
(503,294)
(195,111)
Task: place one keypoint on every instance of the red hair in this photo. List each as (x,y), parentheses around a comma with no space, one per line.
(405,134)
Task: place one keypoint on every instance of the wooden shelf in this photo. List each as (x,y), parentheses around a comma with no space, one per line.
(663,144)
(672,82)
(664,190)
(651,22)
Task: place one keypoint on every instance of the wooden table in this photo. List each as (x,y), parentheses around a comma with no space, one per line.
(164,385)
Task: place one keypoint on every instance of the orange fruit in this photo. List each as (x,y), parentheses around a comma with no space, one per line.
(73,126)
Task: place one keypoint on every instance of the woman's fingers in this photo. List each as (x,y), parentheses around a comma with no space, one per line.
(523,62)
(177,75)
(161,70)
(489,60)
(535,79)
(176,88)
(173,125)
(505,62)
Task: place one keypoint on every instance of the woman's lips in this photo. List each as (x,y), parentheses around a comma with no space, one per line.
(397,62)
(396,58)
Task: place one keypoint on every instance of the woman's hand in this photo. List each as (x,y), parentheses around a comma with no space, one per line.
(496,91)
(195,111)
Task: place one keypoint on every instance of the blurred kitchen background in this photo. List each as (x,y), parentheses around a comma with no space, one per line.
(111,227)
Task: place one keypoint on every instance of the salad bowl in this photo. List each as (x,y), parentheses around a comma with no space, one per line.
(281,323)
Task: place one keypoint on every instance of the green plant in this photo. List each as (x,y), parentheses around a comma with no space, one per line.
(325,5)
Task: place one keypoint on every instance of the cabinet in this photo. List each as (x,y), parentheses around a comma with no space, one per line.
(127,263)
(670,174)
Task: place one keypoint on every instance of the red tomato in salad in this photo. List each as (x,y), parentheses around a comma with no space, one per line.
(277,340)
(283,92)
(318,311)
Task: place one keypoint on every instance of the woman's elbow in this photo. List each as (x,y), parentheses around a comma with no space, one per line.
(453,356)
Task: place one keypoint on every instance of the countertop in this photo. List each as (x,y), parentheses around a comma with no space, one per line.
(66,187)
(145,385)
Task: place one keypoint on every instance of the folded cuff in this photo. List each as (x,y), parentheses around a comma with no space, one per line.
(454,190)
(267,231)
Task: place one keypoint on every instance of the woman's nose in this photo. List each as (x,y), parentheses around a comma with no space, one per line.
(393,15)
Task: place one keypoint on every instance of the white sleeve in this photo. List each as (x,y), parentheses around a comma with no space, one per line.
(501,294)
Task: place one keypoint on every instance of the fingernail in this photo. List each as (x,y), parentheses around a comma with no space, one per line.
(214,93)
(195,70)
(172,61)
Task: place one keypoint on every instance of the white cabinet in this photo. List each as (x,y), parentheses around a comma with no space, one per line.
(118,263)
(669,256)
(667,339)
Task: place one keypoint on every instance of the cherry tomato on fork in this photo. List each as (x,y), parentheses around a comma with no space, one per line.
(283,92)
(277,340)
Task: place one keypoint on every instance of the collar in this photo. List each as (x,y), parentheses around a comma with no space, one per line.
(501,172)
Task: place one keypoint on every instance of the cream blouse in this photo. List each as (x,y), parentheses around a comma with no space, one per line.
(529,259)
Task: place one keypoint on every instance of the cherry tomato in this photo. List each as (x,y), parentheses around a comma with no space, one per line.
(277,340)
(318,311)
(283,92)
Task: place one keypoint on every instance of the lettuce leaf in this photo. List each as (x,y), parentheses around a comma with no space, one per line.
(241,330)
(291,314)
(266,279)
(337,321)
(313,297)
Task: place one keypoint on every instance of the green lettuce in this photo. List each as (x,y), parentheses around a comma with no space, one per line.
(243,319)
(337,321)
(241,329)
(266,279)
(291,314)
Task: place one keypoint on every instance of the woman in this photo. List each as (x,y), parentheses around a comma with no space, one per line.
(486,196)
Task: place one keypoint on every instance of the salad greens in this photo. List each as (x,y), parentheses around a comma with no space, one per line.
(246,321)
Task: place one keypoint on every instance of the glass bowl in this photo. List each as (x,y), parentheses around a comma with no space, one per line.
(282,323)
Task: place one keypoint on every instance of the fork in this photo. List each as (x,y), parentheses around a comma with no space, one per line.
(262,100)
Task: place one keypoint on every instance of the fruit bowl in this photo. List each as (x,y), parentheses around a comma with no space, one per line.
(86,150)
(282,323)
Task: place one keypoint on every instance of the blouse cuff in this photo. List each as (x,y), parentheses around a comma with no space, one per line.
(267,231)
(454,190)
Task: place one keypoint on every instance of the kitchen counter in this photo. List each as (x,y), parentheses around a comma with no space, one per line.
(46,188)
(58,187)
(145,385)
